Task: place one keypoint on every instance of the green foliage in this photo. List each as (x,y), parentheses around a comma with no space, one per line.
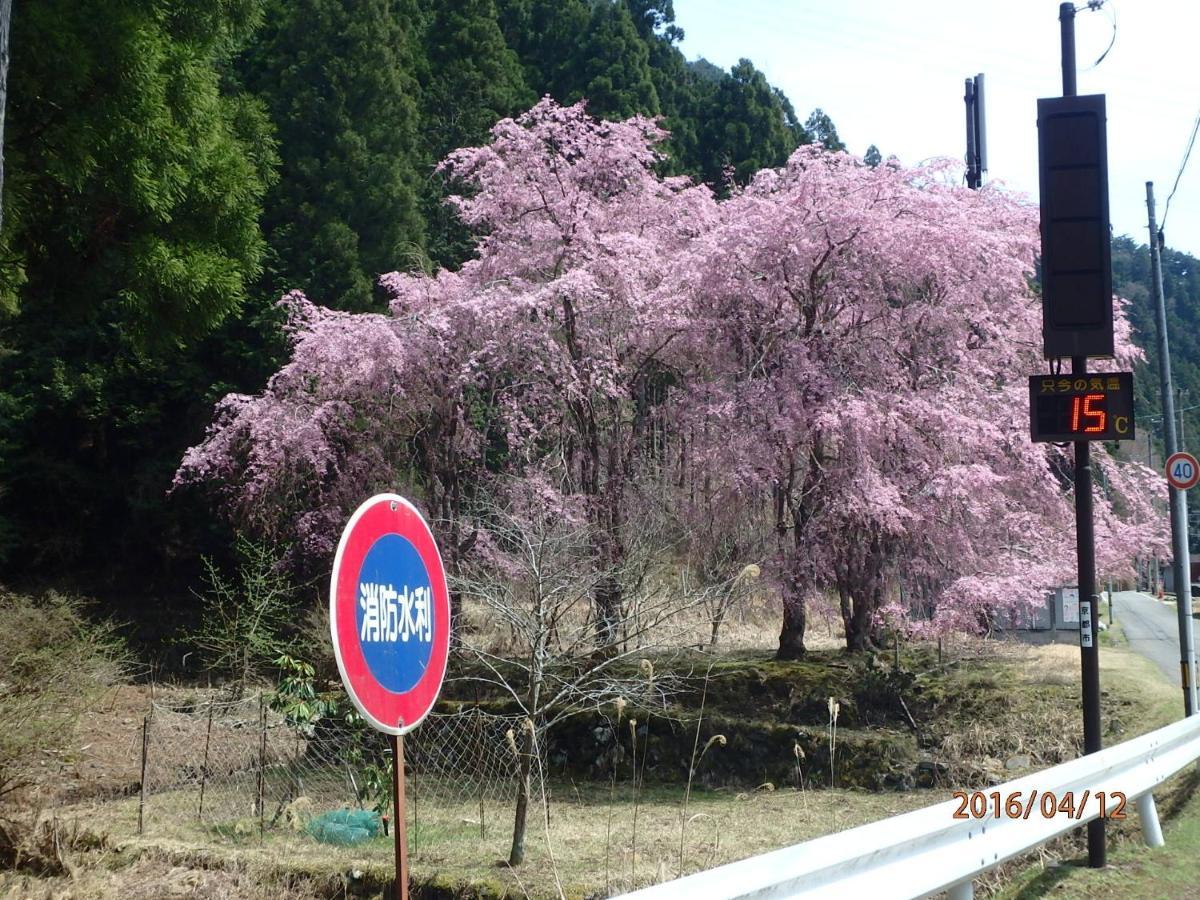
(339,80)
(612,66)
(172,168)
(296,695)
(820,129)
(1181,288)
(132,197)
(470,80)
(243,632)
(325,716)
(54,664)
(133,184)
(873,157)
(746,125)
(545,35)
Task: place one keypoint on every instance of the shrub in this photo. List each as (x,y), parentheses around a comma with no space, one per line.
(54,663)
(245,618)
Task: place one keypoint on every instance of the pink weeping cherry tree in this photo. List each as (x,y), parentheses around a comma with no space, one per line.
(836,351)
(865,334)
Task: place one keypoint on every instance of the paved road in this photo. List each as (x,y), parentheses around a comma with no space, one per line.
(1152,629)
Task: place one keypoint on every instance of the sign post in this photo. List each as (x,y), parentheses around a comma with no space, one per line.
(389,618)
(1077,323)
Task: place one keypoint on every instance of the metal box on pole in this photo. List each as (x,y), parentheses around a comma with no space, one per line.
(1077,311)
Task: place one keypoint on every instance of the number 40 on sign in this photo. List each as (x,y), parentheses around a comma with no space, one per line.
(1182,471)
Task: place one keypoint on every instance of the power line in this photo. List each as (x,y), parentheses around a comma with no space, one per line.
(1095,6)
(1182,166)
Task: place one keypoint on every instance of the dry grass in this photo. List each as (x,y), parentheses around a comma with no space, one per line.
(1034,718)
(445,843)
(151,877)
(1028,702)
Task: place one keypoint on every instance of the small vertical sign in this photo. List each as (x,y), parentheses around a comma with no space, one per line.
(1085,622)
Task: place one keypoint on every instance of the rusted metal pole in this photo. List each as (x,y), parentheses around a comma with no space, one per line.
(400,831)
(145,756)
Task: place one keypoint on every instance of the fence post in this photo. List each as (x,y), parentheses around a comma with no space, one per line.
(964,890)
(145,756)
(1148,814)
(479,764)
(262,763)
(204,765)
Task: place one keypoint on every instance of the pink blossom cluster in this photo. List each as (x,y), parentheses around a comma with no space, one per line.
(835,354)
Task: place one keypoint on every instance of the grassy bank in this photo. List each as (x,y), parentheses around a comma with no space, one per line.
(987,713)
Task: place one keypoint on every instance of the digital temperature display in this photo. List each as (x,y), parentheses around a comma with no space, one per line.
(1093,407)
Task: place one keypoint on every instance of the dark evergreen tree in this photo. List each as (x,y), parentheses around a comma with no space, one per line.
(471,79)
(705,71)
(821,130)
(745,127)
(339,80)
(546,35)
(612,67)
(873,157)
(132,195)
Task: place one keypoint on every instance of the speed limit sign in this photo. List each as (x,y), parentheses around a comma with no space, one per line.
(1182,471)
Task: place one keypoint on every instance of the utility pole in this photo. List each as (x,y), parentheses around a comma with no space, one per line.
(1179,519)
(1085,537)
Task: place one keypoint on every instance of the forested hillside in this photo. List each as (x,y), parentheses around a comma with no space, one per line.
(1181,287)
(172,169)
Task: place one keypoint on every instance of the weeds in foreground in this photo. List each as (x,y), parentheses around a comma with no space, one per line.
(684,821)
(834,709)
(798,754)
(612,791)
(636,797)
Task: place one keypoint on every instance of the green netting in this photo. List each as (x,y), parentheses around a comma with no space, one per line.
(345,826)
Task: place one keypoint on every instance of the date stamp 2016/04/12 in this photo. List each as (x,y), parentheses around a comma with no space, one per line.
(1047,804)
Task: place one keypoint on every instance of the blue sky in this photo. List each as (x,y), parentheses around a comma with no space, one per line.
(891,74)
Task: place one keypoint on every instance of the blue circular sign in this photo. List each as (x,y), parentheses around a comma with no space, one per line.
(395,613)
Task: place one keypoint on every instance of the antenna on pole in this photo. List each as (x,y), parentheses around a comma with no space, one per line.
(976,132)
(969,100)
(981,162)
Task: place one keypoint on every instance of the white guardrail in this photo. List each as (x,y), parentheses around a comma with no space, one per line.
(928,850)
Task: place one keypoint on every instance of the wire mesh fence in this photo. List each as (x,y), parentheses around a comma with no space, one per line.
(237,771)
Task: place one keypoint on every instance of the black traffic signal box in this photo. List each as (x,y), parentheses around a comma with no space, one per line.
(1077,312)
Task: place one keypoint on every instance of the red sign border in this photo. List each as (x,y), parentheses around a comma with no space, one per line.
(386,710)
(1176,457)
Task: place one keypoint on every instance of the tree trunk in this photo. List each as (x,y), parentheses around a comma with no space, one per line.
(862,633)
(791,636)
(517,854)
(846,607)
(608,616)
(716,628)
